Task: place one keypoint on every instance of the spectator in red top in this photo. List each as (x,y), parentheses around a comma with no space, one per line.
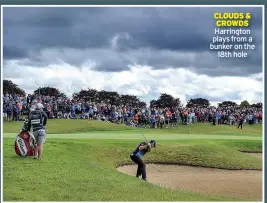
(136,118)
(168,117)
(198,116)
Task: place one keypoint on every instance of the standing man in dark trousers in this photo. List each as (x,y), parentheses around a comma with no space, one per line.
(138,154)
(240,124)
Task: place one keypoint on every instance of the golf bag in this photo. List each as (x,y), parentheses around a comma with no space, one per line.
(25,143)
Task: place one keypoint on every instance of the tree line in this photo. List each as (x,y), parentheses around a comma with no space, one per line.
(113,98)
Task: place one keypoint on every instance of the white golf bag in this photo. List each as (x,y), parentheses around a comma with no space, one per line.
(25,143)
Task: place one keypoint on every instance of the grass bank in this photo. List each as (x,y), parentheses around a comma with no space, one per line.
(85,169)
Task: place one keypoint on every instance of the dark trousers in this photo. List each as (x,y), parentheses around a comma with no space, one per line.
(141,169)
(240,124)
(15,116)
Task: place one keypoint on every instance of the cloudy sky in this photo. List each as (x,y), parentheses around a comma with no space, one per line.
(139,51)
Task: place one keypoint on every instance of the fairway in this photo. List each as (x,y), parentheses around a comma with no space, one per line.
(81,158)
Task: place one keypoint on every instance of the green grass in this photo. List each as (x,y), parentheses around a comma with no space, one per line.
(81,165)
(82,126)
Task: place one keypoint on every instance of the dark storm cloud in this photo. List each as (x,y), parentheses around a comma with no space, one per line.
(13,53)
(175,37)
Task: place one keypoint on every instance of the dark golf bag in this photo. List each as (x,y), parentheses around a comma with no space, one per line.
(25,143)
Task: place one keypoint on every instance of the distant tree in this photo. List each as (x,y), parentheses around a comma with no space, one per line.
(197,102)
(142,104)
(11,88)
(49,91)
(108,97)
(87,95)
(130,100)
(227,103)
(153,103)
(244,103)
(258,105)
(165,100)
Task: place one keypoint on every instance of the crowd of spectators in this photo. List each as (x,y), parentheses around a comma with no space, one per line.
(17,107)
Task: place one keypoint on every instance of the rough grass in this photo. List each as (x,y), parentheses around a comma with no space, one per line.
(85,169)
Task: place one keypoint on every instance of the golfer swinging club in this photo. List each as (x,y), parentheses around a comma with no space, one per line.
(137,155)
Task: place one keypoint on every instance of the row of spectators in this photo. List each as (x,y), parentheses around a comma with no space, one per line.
(16,107)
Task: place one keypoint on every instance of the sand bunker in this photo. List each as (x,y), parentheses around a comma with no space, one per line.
(244,184)
(258,155)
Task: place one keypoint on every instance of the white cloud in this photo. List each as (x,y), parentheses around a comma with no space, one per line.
(139,80)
